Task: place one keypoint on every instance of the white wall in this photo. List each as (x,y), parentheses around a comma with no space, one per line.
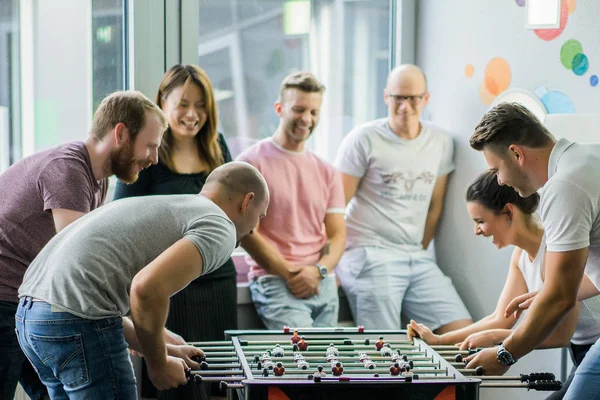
(449,36)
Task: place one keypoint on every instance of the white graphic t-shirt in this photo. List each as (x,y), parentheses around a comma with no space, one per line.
(391,203)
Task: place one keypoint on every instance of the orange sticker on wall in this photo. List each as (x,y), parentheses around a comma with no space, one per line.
(469,70)
(497,76)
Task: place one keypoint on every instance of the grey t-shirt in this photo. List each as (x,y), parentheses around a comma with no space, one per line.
(88,267)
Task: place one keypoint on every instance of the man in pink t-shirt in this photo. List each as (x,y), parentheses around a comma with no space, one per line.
(303,236)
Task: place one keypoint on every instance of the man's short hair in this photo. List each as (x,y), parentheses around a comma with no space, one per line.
(304,81)
(128,107)
(510,123)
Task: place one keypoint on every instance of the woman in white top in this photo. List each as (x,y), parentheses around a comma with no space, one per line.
(508,219)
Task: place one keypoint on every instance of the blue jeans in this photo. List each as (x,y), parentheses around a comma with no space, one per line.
(14,366)
(278,307)
(586,383)
(75,358)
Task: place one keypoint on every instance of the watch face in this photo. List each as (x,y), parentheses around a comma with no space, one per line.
(504,357)
(323,272)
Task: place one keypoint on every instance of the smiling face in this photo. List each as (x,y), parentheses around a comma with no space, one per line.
(185,108)
(490,224)
(409,82)
(509,172)
(131,157)
(298,112)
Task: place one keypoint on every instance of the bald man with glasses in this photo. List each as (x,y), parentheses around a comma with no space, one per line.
(394,172)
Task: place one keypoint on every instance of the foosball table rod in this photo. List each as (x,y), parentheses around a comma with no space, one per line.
(536,376)
(200,378)
(535,385)
(226,385)
(340,358)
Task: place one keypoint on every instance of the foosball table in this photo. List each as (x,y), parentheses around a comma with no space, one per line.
(345,363)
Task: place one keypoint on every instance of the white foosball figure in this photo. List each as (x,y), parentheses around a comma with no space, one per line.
(332,350)
(386,351)
(369,364)
(277,351)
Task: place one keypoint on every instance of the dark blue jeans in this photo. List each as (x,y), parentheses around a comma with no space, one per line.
(14,367)
(76,358)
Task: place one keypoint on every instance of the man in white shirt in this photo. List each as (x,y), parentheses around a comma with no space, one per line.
(527,157)
(394,172)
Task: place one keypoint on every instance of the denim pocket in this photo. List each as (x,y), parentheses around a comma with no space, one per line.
(64,356)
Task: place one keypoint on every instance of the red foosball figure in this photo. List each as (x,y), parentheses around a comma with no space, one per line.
(379,343)
(279,369)
(337,369)
(395,369)
(302,345)
(295,338)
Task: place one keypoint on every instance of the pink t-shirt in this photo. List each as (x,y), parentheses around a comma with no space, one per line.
(304,188)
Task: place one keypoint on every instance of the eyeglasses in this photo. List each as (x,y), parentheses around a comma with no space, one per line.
(399,99)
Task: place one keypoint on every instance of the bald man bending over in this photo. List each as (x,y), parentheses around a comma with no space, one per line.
(394,172)
(129,257)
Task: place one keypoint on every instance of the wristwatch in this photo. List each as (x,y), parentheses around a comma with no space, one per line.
(322,270)
(504,356)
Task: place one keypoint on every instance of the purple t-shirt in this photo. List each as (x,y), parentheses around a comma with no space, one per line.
(61,177)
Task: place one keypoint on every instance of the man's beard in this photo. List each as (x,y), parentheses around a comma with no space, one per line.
(123,165)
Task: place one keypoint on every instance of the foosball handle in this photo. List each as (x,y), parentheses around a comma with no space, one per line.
(195,378)
(198,359)
(538,376)
(544,385)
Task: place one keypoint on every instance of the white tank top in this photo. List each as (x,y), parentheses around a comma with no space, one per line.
(588,326)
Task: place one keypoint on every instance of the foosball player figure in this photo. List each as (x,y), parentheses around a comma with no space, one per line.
(303,364)
(319,374)
(405,366)
(386,351)
(302,345)
(363,356)
(268,364)
(278,351)
(379,343)
(295,338)
(279,369)
(332,350)
(369,364)
(399,357)
(395,369)
(337,369)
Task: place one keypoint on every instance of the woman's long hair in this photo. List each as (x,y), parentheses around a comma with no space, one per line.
(207,138)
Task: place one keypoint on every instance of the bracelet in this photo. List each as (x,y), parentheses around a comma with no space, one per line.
(438,337)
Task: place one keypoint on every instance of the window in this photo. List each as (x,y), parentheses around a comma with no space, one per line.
(67,68)
(10,147)
(248,46)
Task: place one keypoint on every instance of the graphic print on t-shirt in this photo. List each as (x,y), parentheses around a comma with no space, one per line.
(409,182)
(408,185)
